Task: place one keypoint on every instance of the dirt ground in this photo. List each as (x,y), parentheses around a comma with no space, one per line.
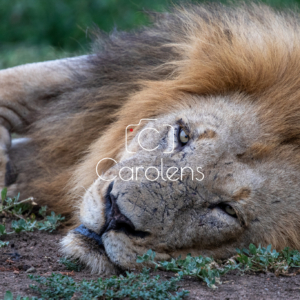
(41,251)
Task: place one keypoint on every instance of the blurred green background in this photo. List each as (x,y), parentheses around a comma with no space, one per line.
(38,30)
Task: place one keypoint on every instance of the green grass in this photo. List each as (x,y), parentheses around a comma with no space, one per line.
(134,286)
(147,286)
(66,24)
(263,259)
(32,31)
(203,268)
(24,218)
(9,296)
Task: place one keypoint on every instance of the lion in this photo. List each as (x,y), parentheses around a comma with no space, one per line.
(180,137)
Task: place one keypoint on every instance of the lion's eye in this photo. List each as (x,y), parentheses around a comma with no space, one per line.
(228,209)
(183,137)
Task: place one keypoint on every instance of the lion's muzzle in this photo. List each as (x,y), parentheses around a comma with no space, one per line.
(115,220)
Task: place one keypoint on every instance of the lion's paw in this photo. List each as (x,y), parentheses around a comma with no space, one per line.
(75,246)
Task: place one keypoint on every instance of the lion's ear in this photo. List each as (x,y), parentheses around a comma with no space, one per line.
(25,88)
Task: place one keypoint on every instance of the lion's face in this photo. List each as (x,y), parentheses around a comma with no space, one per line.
(191,181)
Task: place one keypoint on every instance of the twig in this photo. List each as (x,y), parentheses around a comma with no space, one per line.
(6,209)
(17,203)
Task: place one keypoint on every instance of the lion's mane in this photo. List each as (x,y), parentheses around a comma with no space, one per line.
(203,50)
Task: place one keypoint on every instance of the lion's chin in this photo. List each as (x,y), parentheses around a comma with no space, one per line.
(88,248)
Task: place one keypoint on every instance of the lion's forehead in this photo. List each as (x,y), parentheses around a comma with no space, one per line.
(216,125)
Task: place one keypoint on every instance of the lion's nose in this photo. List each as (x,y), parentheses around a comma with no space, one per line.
(115,220)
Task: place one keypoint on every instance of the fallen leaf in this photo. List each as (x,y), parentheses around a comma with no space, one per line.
(67,273)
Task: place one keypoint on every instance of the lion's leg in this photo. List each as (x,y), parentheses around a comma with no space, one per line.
(24,92)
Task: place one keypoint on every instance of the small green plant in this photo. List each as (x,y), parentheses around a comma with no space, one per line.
(256,259)
(22,210)
(145,286)
(9,296)
(51,222)
(14,207)
(261,259)
(204,268)
(134,286)
(3,244)
(72,265)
